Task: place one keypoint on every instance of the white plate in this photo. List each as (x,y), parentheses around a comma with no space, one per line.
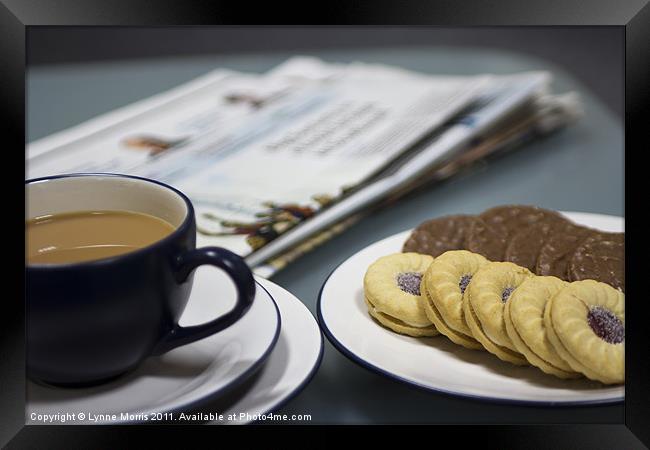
(435,363)
(184,378)
(291,366)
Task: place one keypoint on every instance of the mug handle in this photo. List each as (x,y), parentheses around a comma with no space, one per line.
(240,274)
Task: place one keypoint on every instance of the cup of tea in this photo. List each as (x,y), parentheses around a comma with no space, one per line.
(109,265)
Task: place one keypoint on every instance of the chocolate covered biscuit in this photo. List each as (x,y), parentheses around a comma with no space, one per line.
(600,257)
(526,244)
(436,236)
(492,230)
(555,254)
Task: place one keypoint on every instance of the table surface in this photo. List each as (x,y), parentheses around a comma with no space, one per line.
(577,169)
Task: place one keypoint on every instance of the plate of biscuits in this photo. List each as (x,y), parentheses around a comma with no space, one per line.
(518,304)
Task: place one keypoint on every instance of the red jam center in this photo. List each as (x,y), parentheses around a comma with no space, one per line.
(464,281)
(606,325)
(409,282)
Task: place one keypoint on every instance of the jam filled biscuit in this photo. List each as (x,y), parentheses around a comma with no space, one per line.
(397,325)
(392,291)
(502,353)
(436,236)
(443,286)
(601,258)
(484,302)
(491,232)
(557,250)
(585,322)
(524,319)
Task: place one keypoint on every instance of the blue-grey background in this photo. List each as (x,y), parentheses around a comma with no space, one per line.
(593,54)
(75,74)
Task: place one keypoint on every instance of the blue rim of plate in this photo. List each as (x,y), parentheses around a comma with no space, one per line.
(195,404)
(376,369)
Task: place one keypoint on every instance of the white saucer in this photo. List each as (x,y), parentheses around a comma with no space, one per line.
(182,379)
(436,364)
(291,366)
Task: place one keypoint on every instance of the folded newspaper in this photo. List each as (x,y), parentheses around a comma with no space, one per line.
(277,163)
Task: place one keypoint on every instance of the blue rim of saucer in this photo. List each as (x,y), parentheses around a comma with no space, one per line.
(190,407)
(381,371)
(303,384)
(298,389)
(257,365)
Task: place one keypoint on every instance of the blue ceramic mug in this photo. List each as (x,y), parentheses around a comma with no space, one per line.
(88,322)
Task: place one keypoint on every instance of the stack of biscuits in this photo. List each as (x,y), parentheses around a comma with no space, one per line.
(521,282)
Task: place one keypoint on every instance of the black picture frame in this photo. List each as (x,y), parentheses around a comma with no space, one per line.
(634,15)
